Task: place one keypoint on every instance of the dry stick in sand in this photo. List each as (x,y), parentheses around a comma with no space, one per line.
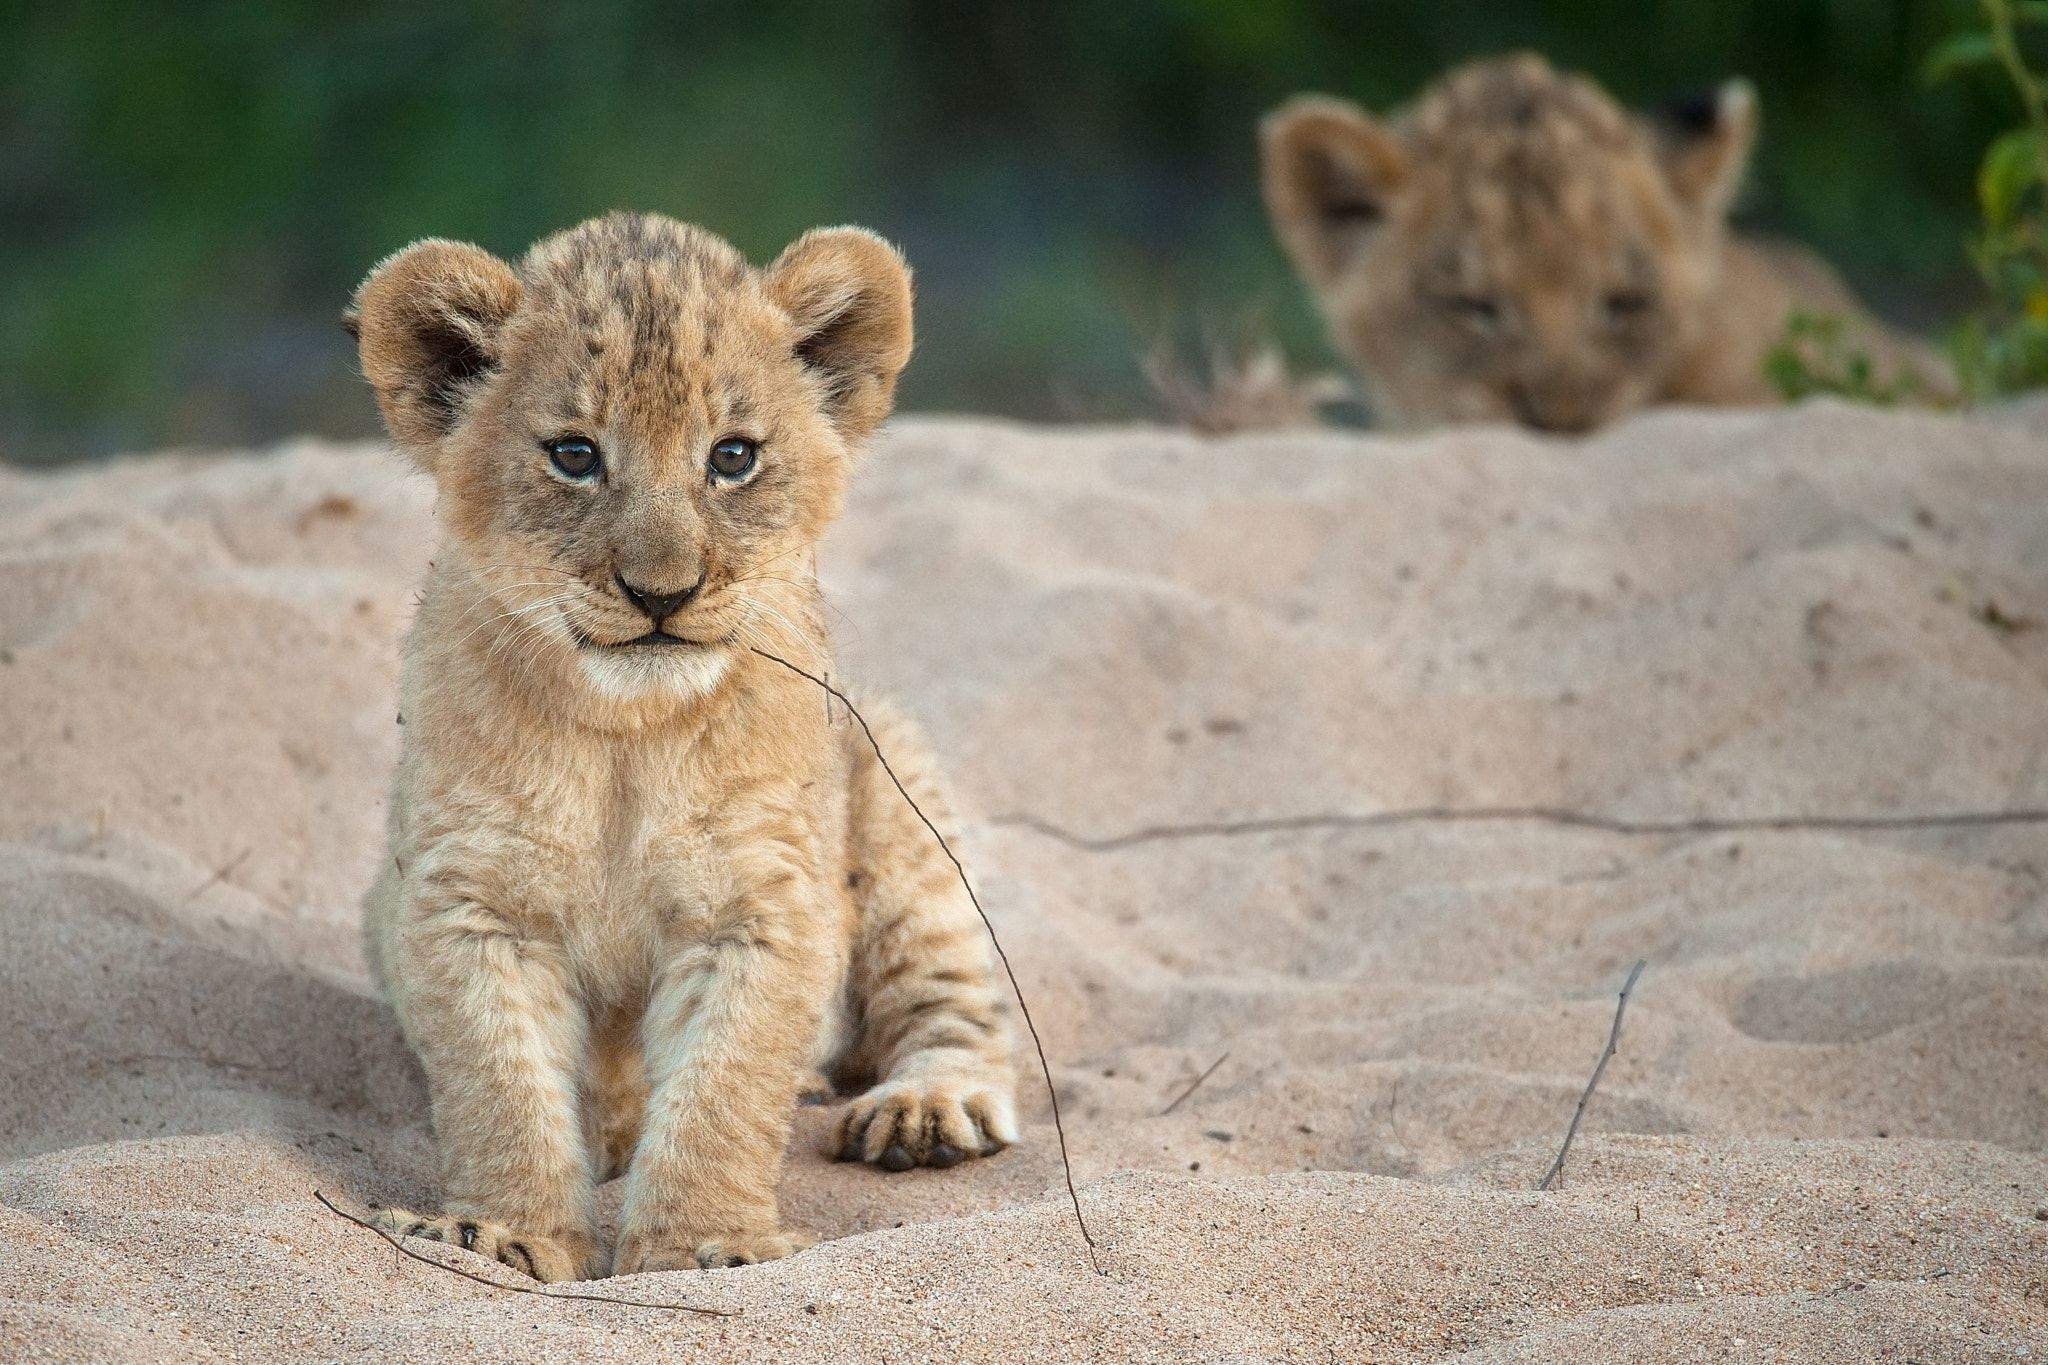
(1552,815)
(398,1245)
(1193,1086)
(1052,1091)
(1613,1037)
(220,874)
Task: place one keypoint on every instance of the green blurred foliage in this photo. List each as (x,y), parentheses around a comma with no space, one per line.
(2002,347)
(191,191)
(1818,355)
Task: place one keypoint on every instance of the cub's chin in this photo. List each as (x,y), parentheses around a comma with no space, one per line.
(653,666)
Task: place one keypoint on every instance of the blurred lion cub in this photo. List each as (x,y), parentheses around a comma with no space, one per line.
(642,887)
(1517,246)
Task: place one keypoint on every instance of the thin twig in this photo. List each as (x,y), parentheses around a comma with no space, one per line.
(1194,1085)
(1613,1037)
(220,874)
(1394,1111)
(537,1291)
(1045,1066)
(1453,815)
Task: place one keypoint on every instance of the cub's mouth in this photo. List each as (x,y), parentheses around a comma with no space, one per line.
(652,640)
(659,639)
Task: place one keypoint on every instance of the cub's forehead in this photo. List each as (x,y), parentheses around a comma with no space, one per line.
(1542,234)
(1522,170)
(1546,199)
(1518,102)
(611,258)
(635,314)
(1532,135)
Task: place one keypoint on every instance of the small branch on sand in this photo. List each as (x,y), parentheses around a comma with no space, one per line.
(1052,1092)
(1194,1085)
(537,1291)
(1547,815)
(220,874)
(1613,1036)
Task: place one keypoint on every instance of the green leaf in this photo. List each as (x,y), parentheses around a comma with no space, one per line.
(1966,352)
(1958,53)
(2012,166)
(2030,11)
(1786,373)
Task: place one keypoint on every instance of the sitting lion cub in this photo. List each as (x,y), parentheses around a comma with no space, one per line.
(643,886)
(1518,247)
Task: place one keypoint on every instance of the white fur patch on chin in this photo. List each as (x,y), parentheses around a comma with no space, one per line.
(639,674)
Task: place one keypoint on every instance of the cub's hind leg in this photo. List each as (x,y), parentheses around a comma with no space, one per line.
(930,1019)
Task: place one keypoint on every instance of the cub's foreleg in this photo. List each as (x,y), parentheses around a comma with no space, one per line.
(501,1037)
(728,1030)
(932,1024)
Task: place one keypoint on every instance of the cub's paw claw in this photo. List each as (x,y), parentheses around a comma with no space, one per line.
(551,1259)
(750,1248)
(641,1255)
(902,1124)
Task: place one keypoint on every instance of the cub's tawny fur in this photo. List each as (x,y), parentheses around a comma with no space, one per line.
(1519,247)
(642,885)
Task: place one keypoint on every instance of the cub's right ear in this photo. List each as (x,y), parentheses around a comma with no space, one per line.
(427,324)
(1706,141)
(1330,170)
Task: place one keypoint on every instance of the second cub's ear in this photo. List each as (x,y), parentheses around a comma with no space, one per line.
(427,323)
(848,292)
(1331,171)
(1706,145)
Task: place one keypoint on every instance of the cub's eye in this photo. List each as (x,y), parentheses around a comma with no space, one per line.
(1477,310)
(1626,305)
(1348,212)
(574,457)
(734,457)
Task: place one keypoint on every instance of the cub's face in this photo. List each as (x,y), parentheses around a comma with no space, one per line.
(638,438)
(1517,249)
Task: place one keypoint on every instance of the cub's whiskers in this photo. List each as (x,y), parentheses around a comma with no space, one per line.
(521,610)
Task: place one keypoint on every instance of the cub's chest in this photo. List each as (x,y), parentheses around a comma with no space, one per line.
(637,847)
(672,843)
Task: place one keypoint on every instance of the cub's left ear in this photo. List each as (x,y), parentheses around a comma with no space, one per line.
(848,292)
(1706,146)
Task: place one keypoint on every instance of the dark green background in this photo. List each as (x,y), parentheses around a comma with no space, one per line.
(189,192)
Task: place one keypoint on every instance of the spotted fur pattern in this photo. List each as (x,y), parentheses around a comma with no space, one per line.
(642,886)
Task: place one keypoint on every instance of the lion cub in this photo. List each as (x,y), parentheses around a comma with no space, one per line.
(1519,247)
(642,886)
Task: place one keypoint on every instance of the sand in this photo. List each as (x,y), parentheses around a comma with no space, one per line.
(1181,685)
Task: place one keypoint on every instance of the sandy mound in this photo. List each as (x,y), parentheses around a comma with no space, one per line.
(1277,748)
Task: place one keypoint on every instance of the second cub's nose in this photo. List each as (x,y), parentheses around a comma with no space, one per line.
(659,606)
(1560,414)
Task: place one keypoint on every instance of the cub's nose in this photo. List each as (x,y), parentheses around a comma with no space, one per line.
(659,606)
(1551,410)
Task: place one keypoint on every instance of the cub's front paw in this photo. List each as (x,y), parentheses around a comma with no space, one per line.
(927,1122)
(551,1258)
(641,1253)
